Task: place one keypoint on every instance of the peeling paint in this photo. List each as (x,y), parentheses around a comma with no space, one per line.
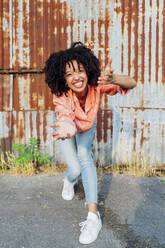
(132,32)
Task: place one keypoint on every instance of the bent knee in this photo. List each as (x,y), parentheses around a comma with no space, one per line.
(83,153)
(75,172)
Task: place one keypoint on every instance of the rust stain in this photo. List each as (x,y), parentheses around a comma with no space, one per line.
(61,23)
(118,9)
(4,34)
(15,125)
(101,23)
(46,23)
(16,35)
(143,108)
(19,126)
(1,93)
(142,134)
(150,40)
(105,101)
(157,44)
(132,17)
(41,91)
(108,117)
(99,126)
(44,94)
(144,138)
(5,144)
(31,124)
(44,126)
(105,125)
(70,23)
(129,13)
(122,27)
(5,92)
(85,34)
(134,133)
(48,99)
(1,35)
(25,31)
(122,121)
(39,16)
(143,41)
(163,46)
(33,33)
(22,126)
(78,29)
(107,25)
(92,30)
(33,94)
(106,44)
(36,92)
(48,28)
(38,123)
(8,121)
(15,93)
(135,30)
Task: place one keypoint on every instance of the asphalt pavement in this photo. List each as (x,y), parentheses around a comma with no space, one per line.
(33,214)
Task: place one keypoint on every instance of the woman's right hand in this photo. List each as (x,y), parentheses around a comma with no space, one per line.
(63,130)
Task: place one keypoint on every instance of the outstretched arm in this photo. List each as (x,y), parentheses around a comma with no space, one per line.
(64,127)
(124,81)
(63,130)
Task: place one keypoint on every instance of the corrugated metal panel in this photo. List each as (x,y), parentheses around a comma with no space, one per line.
(4,34)
(132,32)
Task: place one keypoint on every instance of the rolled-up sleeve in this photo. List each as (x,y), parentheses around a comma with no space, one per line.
(65,114)
(112,89)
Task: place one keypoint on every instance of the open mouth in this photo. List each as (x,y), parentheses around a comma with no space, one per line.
(78,84)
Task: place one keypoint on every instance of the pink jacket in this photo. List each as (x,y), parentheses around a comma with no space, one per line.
(72,118)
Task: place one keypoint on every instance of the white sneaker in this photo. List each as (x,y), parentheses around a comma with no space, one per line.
(68,190)
(90,228)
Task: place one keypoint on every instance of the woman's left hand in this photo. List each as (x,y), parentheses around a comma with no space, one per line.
(106,76)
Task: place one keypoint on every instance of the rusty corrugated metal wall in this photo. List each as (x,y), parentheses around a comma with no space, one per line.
(132,32)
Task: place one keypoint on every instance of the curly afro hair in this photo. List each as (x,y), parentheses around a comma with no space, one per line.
(56,64)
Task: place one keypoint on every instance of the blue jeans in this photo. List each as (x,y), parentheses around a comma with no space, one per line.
(77,155)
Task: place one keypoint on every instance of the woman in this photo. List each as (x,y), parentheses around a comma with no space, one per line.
(73,76)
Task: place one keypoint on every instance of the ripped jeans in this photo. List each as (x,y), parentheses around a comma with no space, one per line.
(77,155)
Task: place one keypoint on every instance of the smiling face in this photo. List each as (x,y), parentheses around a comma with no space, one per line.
(76,78)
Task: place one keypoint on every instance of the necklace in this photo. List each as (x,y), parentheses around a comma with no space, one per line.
(82,102)
(82,99)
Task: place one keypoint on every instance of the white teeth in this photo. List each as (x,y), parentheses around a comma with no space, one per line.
(78,84)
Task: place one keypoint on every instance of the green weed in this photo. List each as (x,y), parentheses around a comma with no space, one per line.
(30,153)
(25,159)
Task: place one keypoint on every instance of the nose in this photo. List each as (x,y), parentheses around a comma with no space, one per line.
(76,75)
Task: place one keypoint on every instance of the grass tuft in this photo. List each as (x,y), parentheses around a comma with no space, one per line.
(138,167)
(10,165)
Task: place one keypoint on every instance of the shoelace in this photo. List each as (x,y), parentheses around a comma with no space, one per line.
(82,225)
(85,225)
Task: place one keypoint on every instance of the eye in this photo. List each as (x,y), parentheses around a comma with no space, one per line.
(68,74)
